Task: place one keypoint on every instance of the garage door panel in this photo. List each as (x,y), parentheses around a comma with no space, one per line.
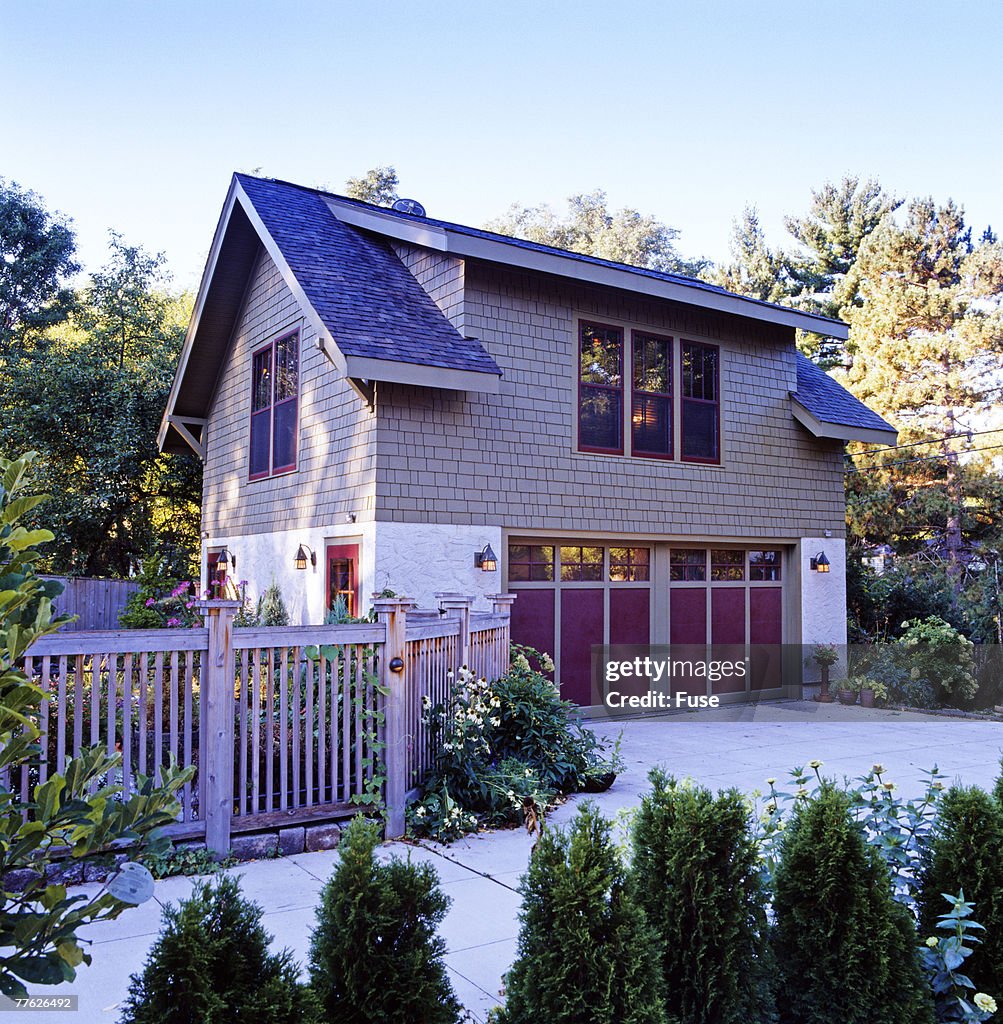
(629,616)
(727,621)
(582,619)
(533,620)
(765,633)
(688,615)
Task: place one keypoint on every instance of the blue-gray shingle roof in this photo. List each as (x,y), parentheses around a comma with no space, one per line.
(369,301)
(827,400)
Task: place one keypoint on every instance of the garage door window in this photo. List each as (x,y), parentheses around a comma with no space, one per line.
(727,565)
(530,563)
(687,566)
(764,566)
(579,565)
(629,565)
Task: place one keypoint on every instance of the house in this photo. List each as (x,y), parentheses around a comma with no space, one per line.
(381,399)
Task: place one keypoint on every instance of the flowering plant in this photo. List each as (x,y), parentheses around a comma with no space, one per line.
(504,750)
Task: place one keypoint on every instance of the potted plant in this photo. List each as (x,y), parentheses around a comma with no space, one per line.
(825,656)
(847,689)
(873,692)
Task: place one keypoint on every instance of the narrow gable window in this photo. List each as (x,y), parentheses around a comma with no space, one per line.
(700,403)
(651,397)
(274,407)
(600,389)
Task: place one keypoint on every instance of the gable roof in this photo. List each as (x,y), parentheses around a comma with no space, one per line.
(827,409)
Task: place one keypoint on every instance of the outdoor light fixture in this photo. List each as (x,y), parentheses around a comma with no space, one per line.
(819,563)
(301,557)
(225,560)
(486,560)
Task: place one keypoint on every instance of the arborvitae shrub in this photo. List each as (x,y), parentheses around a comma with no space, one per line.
(846,951)
(271,608)
(211,964)
(698,879)
(374,954)
(965,852)
(586,952)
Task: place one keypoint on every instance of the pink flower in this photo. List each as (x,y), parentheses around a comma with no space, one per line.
(172,623)
(189,604)
(150,602)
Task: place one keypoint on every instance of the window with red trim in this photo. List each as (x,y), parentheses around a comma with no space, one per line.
(600,389)
(651,396)
(700,403)
(274,407)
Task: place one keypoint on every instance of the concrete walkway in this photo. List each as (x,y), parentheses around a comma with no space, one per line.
(738,746)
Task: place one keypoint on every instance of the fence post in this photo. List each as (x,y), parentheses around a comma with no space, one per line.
(392,612)
(458,607)
(216,730)
(503,606)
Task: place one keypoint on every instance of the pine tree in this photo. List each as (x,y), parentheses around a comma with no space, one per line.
(374,954)
(709,906)
(846,951)
(586,953)
(211,964)
(965,853)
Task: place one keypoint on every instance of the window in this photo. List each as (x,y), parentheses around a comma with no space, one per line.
(530,563)
(687,566)
(700,403)
(600,389)
(342,576)
(579,565)
(651,396)
(727,565)
(274,407)
(629,565)
(764,566)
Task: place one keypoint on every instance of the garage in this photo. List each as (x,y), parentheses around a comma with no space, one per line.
(573,595)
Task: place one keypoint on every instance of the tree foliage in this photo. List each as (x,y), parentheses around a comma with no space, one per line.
(79,810)
(378,186)
(590,227)
(89,394)
(711,917)
(36,256)
(586,953)
(845,949)
(374,954)
(211,963)
(965,852)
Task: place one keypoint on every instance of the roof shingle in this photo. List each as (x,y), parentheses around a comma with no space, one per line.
(348,277)
(827,400)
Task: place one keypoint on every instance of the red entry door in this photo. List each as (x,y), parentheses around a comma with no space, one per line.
(343,576)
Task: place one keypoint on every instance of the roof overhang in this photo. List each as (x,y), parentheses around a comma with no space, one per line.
(840,431)
(456,243)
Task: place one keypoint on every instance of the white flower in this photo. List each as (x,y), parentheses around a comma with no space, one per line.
(420,811)
(985,1003)
(495,722)
(932,941)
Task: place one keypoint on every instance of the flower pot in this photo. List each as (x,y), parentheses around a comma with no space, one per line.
(867,698)
(599,783)
(824,697)
(847,696)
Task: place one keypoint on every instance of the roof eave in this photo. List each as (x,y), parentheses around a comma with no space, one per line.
(840,431)
(455,243)
(447,378)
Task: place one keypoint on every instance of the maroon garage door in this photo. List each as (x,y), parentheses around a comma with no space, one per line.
(574,596)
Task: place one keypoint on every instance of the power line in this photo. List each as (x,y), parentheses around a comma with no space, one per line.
(932,440)
(928,458)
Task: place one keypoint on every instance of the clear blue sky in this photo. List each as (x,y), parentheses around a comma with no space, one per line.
(131,115)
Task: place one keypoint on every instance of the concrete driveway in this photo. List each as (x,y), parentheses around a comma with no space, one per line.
(739,746)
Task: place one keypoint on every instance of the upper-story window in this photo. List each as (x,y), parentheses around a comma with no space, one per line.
(627,400)
(701,403)
(274,406)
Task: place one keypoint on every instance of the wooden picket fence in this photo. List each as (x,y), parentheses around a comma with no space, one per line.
(284,725)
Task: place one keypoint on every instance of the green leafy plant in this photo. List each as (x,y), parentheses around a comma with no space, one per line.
(374,953)
(825,654)
(942,956)
(836,918)
(710,911)
(77,814)
(586,952)
(211,963)
(271,608)
(504,750)
(965,851)
(185,860)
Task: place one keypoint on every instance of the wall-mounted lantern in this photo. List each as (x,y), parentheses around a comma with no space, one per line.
(486,560)
(301,557)
(819,563)
(225,560)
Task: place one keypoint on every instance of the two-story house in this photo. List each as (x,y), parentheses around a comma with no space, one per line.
(384,400)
